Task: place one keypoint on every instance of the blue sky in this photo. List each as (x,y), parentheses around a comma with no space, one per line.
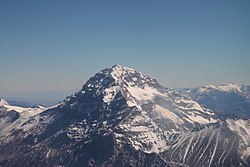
(57,45)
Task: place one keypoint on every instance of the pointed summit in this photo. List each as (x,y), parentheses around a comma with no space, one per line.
(129,76)
(120,76)
(3,102)
(117,66)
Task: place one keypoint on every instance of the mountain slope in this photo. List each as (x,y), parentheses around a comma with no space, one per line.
(13,118)
(225,144)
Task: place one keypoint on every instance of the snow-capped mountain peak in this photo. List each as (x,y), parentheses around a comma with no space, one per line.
(3,102)
(135,85)
(143,107)
(127,81)
(159,108)
(8,107)
(130,76)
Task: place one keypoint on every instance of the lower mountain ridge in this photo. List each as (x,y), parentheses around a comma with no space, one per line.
(122,117)
(227,101)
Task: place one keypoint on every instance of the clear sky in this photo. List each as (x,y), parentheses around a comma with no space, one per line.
(54,45)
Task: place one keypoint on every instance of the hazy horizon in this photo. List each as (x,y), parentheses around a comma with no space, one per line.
(51,97)
(48,47)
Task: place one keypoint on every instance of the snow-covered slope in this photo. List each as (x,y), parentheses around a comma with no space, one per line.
(242,129)
(224,144)
(5,104)
(14,118)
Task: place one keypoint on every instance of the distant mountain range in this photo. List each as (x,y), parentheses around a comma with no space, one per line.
(229,100)
(122,117)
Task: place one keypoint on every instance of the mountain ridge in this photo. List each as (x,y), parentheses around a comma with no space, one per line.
(228,100)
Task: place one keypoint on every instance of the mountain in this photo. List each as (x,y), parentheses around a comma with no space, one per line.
(228,100)
(6,113)
(13,117)
(122,117)
(3,102)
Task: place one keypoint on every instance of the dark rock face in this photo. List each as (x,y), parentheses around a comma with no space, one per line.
(10,116)
(100,150)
